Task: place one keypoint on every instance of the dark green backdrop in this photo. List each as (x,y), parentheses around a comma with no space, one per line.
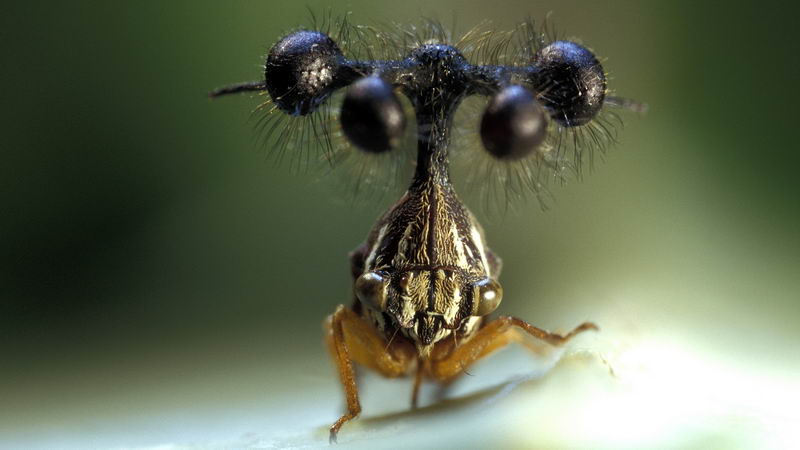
(145,242)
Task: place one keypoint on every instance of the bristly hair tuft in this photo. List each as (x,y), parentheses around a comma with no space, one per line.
(316,139)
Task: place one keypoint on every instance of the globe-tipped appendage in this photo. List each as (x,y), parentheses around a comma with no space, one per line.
(570,82)
(300,71)
(513,125)
(372,117)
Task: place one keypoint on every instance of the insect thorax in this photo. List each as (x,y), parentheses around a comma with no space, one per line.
(431,250)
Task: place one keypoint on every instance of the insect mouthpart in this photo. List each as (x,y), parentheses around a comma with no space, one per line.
(427,330)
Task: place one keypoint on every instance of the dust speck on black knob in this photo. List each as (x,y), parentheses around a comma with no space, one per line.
(300,71)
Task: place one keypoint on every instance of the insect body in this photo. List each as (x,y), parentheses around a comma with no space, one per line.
(424,280)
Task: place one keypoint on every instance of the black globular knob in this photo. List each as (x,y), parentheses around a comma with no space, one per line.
(372,117)
(570,82)
(513,124)
(300,71)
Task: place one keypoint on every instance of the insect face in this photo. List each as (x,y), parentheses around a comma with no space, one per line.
(427,306)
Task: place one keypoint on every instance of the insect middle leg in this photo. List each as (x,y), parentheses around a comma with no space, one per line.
(495,335)
(351,339)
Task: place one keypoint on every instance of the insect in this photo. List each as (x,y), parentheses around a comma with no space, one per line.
(424,280)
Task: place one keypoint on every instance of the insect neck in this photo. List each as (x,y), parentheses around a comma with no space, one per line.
(433,139)
(436,88)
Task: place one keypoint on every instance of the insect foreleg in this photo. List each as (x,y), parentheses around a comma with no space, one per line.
(495,335)
(350,339)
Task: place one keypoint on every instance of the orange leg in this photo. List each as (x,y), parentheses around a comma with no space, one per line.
(351,339)
(495,335)
(417,384)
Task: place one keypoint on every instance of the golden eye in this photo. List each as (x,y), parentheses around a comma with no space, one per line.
(370,289)
(486,295)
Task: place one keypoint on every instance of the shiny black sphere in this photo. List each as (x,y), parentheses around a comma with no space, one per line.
(570,82)
(513,124)
(300,71)
(372,117)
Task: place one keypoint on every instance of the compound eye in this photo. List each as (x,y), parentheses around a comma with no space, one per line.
(300,69)
(513,124)
(571,82)
(486,297)
(370,289)
(372,117)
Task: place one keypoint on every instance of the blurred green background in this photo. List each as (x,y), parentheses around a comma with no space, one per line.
(151,258)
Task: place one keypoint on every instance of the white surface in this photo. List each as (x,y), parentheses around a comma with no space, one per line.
(660,394)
